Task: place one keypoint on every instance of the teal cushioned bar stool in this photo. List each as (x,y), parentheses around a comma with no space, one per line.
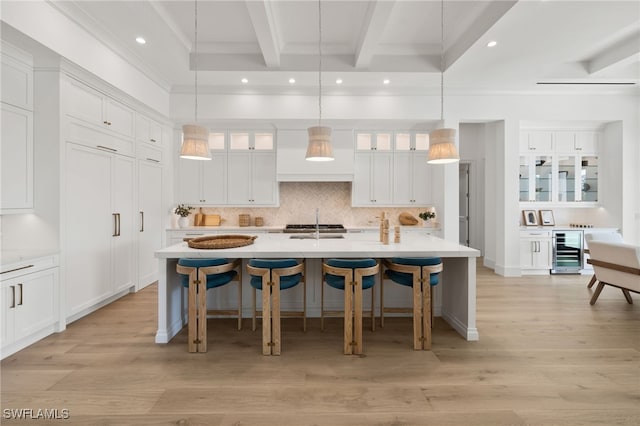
(357,275)
(271,276)
(420,273)
(198,276)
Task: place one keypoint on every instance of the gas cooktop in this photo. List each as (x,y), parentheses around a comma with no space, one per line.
(323,227)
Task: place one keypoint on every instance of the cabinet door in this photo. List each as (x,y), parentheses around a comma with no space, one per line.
(123,243)
(587,142)
(214,180)
(8,294)
(421,179)
(190,181)
(239,178)
(540,141)
(17,159)
(403,179)
(17,81)
(361,189)
(527,250)
(542,258)
(84,103)
(150,230)
(382,178)
(36,303)
(263,179)
(119,117)
(89,226)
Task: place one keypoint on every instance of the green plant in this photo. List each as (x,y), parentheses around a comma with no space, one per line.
(426,215)
(182,210)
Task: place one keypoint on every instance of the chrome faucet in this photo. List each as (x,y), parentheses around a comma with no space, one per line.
(317,223)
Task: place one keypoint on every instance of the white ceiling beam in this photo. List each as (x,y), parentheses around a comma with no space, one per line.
(173,26)
(622,54)
(378,14)
(266,31)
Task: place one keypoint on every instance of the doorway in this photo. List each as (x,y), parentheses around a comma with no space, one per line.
(464,203)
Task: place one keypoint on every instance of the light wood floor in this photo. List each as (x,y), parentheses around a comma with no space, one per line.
(545,357)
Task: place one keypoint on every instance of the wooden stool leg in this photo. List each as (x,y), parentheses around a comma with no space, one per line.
(592,282)
(627,296)
(202,311)
(275,316)
(240,298)
(193,311)
(358,315)
(418,333)
(255,310)
(266,317)
(304,298)
(373,309)
(348,318)
(426,313)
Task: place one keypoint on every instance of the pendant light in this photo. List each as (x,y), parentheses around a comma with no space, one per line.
(195,139)
(319,147)
(442,146)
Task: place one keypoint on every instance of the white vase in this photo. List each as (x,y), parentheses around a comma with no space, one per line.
(183,222)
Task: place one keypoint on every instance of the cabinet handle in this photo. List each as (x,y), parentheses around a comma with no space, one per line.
(152,140)
(141,221)
(105,122)
(118,224)
(153,160)
(106,148)
(21,294)
(13,297)
(16,269)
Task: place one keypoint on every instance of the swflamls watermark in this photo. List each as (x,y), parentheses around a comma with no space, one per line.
(35,413)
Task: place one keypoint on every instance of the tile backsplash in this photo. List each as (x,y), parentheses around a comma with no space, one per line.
(298,203)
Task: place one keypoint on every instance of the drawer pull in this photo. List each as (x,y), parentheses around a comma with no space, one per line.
(16,269)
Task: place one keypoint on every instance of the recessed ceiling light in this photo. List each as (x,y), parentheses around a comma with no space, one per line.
(386,81)
(492,43)
(339,81)
(292,80)
(141,40)
(244,81)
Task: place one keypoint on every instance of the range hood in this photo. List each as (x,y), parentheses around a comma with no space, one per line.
(292,167)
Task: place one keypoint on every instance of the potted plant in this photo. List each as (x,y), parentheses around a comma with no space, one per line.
(183,211)
(427,216)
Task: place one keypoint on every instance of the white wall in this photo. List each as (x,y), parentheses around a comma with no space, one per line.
(472,151)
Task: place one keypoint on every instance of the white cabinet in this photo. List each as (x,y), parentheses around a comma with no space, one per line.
(150,184)
(372,180)
(251,178)
(536,140)
(411,172)
(564,171)
(148,130)
(16,136)
(29,303)
(203,182)
(251,169)
(535,252)
(99,242)
(98,109)
(17,160)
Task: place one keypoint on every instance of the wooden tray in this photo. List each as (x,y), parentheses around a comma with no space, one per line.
(221,241)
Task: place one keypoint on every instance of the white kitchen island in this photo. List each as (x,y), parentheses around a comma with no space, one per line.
(458,279)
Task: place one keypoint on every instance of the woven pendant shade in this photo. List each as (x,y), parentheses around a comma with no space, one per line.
(442,147)
(195,142)
(319,147)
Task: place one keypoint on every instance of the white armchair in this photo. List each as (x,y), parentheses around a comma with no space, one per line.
(617,265)
(610,237)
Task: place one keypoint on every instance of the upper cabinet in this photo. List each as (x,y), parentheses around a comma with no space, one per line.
(391,169)
(99,110)
(148,130)
(17,131)
(241,172)
(559,166)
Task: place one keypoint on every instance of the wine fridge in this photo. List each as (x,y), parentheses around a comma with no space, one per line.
(567,251)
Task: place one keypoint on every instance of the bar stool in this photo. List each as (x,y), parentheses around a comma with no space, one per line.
(415,272)
(198,276)
(359,275)
(270,276)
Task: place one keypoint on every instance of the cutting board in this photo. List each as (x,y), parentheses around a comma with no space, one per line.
(211,220)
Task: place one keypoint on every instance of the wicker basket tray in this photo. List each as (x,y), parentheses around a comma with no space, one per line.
(221,241)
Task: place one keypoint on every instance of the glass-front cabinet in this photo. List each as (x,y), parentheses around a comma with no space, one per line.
(566,172)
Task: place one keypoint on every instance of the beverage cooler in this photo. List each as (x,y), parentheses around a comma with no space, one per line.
(567,251)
